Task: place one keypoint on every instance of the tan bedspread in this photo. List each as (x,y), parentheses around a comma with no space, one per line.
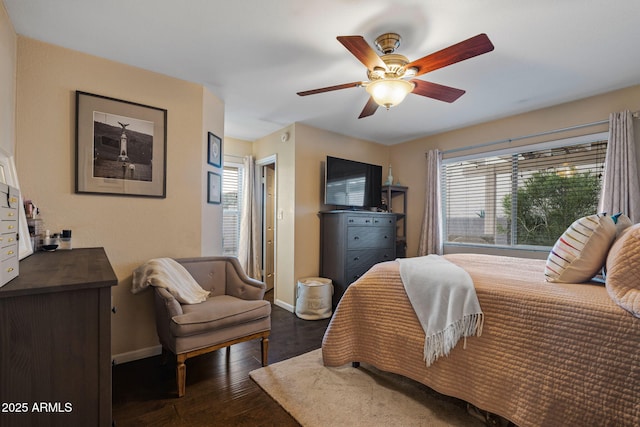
(550,354)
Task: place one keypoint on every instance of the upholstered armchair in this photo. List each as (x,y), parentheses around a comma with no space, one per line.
(234,312)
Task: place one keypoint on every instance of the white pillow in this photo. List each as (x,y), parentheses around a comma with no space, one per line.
(581,250)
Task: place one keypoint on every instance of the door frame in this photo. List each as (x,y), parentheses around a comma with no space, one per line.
(261,165)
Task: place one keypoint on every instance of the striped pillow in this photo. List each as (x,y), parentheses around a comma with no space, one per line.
(581,250)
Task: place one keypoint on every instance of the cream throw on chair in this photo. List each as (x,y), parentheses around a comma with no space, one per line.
(169,274)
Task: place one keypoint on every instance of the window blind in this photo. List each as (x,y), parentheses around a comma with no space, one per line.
(231,208)
(520,198)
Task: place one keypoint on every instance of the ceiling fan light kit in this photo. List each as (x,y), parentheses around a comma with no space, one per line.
(391,75)
(389,92)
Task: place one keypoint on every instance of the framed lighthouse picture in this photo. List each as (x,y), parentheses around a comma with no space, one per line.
(121,147)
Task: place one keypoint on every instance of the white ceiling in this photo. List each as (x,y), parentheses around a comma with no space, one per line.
(256,54)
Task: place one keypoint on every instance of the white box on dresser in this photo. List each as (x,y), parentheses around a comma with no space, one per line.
(9,203)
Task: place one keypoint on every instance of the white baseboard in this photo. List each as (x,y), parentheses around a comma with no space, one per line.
(130,356)
(284,305)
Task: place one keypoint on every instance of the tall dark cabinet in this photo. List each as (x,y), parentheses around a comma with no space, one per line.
(55,340)
(352,242)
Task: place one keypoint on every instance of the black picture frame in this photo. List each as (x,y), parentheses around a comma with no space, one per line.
(121,147)
(214,150)
(214,188)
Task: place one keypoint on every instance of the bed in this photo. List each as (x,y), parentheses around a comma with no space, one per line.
(550,354)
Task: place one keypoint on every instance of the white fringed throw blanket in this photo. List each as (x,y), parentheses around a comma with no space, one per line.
(445,301)
(169,274)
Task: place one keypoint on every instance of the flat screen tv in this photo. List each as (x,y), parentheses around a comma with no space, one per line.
(351,184)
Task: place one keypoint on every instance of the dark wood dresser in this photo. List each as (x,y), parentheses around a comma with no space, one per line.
(55,340)
(351,243)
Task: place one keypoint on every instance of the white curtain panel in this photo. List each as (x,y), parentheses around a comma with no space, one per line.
(620,188)
(431,233)
(250,241)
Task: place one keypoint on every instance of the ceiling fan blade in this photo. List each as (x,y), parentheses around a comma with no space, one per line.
(369,108)
(436,91)
(455,53)
(359,48)
(330,88)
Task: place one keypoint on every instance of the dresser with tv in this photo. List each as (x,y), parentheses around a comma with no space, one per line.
(352,242)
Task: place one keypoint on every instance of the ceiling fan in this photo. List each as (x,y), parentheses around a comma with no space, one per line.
(391,76)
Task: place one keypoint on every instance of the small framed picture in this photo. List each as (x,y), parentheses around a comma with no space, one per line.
(214,150)
(214,188)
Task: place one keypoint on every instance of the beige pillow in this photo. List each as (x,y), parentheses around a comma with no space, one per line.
(622,223)
(623,270)
(581,251)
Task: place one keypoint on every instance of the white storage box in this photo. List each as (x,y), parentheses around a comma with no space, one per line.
(313,300)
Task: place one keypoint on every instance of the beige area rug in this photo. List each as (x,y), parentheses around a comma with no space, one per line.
(316,395)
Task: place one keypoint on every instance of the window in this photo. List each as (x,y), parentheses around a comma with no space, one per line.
(524,197)
(231,207)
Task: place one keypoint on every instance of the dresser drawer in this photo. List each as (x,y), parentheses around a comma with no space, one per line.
(13,198)
(8,269)
(9,196)
(8,213)
(387,221)
(8,227)
(359,262)
(8,251)
(354,274)
(367,257)
(370,237)
(371,220)
(8,239)
(359,220)
(361,257)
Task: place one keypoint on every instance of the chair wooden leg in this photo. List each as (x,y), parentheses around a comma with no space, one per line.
(264,344)
(181,368)
(181,374)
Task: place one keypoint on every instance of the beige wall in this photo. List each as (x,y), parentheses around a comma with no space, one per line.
(211,227)
(8,49)
(272,146)
(312,148)
(131,229)
(409,159)
(299,179)
(299,176)
(236,149)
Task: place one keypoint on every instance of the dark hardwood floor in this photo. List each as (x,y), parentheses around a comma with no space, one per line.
(219,391)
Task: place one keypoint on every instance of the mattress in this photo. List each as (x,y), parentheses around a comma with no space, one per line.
(550,354)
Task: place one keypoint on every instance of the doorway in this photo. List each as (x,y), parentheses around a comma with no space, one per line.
(267,169)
